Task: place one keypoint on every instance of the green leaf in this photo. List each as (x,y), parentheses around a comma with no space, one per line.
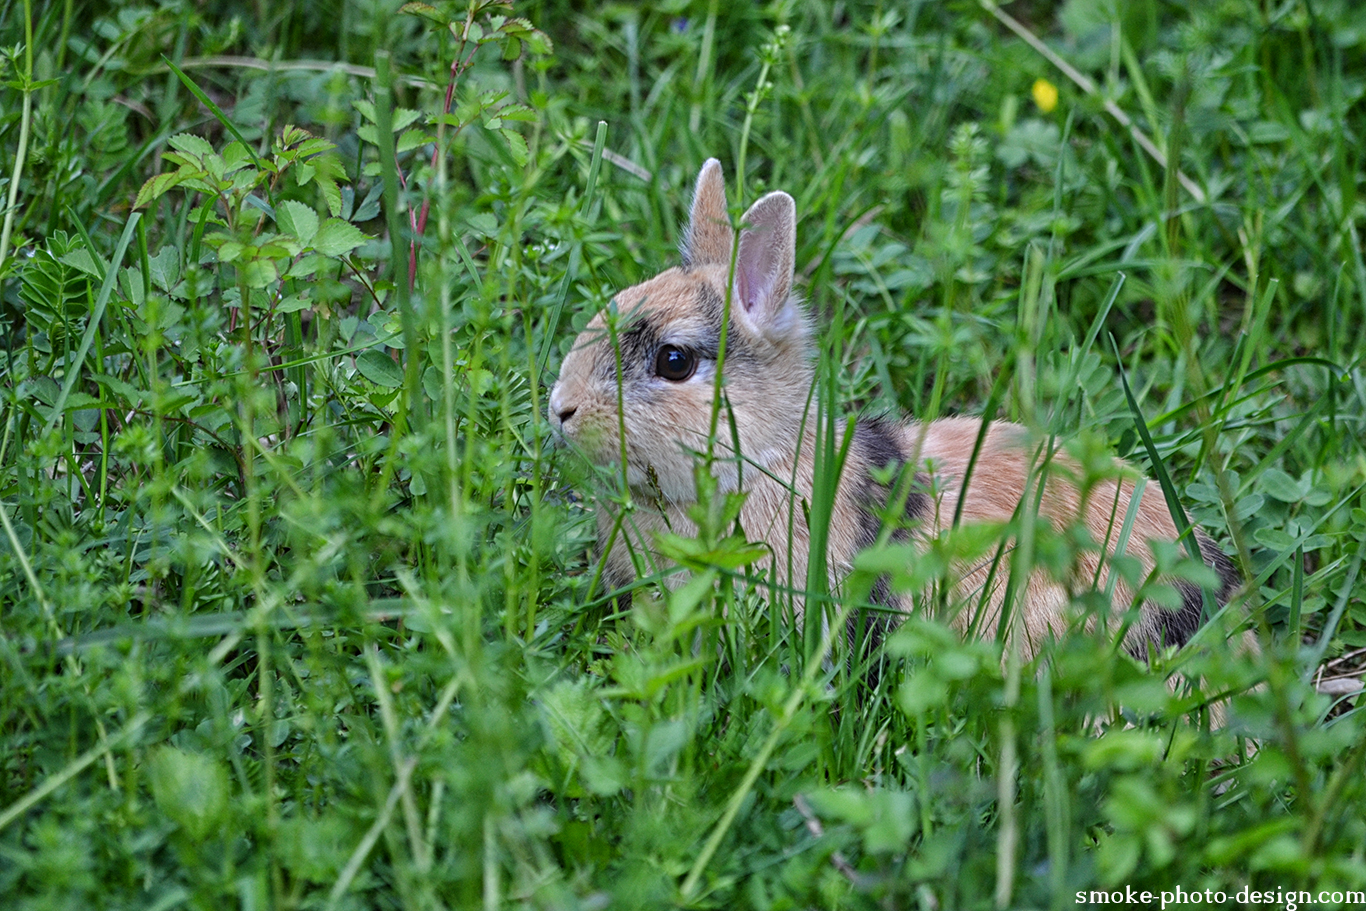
(1281,486)
(191,144)
(236,156)
(412,139)
(483,224)
(307,266)
(539,42)
(516,145)
(314,850)
(192,790)
(81,259)
(230,250)
(260,272)
(314,146)
(426,11)
(369,206)
(404,118)
(379,369)
(336,237)
(1274,539)
(893,821)
(297,220)
(519,112)
(157,186)
(120,389)
(293,303)
(80,400)
(164,268)
(326,171)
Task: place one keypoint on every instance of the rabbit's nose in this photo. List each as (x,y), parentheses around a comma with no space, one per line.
(559,407)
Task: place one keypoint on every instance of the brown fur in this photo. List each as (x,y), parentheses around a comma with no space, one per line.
(769,376)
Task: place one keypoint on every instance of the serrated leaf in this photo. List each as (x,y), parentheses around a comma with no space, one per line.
(412,139)
(164,268)
(297,220)
(293,304)
(292,135)
(42,388)
(518,112)
(325,170)
(260,272)
(426,11)
(369,206)
(235,157)
(404,118)
(156,187)
(130,281)
(516,145)
(80,400)
(230,250)
(539,42)
(191,144)
(120,388)
(280,247)
(307,266)
(379,369)
(336,237)
(315,146)
(81,259)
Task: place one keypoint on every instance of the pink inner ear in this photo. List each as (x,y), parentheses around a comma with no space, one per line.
(755,271)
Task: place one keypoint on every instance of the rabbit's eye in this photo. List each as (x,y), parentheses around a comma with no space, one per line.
(675,364)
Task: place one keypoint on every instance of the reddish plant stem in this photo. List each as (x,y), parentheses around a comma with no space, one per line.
(417,218)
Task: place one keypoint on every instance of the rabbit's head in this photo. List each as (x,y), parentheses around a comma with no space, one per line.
(640,379)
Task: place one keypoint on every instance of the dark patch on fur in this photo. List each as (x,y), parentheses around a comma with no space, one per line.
(1217,560)
(713,305)
(642,337)
(638,343)
(1176,627)
(875,442)
(710,302)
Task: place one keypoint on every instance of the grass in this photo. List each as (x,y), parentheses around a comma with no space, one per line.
(299,600)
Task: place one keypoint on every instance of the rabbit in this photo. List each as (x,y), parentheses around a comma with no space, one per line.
(646,390)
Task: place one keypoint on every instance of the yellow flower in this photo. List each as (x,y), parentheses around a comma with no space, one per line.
(1045,95)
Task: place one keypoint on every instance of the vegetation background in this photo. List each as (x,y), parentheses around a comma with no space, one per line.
(298,601)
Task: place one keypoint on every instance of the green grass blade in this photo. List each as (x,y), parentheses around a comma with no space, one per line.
(73,370)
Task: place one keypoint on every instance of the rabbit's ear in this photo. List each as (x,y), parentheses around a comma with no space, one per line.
(764,263)
(709,236)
